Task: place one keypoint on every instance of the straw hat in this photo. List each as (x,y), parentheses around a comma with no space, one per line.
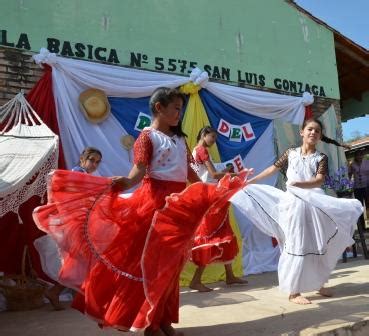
(127,141)
(94,105)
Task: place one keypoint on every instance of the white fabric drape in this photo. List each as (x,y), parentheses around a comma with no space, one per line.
(71,77)
(263,104)
(258,253)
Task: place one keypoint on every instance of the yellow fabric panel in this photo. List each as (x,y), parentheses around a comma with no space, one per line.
(194,119)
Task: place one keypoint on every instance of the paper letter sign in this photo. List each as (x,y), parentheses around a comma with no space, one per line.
(248,132)
(143,120)
(236,163)
(236,134)
(224,128)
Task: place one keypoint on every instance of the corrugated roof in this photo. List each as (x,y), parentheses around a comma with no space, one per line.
(360,143)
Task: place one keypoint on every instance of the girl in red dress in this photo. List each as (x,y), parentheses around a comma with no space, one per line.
(214,241)
(124,254)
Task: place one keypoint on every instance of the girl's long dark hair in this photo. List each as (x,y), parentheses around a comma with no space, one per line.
(164,96)
(324,138)
(205,130)
(88,151)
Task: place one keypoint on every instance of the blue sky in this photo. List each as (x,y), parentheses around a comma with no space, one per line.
(350,18)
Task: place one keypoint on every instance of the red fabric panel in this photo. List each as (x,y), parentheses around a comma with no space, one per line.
(308,112)
(41,98)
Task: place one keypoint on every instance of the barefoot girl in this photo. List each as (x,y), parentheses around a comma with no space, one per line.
(215,241)
(124,255)
(312,229)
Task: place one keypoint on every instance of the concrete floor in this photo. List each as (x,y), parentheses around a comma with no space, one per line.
(256,309)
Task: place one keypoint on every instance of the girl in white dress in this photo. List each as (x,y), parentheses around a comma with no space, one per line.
(312,229)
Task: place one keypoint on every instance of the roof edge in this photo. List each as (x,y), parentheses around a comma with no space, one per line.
(338,36)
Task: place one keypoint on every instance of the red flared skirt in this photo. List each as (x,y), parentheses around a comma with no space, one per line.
(214,240)
(124,255)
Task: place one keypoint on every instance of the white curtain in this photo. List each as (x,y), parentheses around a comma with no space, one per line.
(263,104)
(71,77)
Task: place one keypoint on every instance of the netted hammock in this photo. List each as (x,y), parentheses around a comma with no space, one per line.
(28,152)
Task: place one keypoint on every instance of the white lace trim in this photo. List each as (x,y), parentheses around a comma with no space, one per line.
(28,152)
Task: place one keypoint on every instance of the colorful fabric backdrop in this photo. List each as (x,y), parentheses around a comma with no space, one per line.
(242,116)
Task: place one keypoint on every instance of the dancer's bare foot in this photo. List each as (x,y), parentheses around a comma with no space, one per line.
(170,331)
(200,287)
(325,292)
(54,299)
(236,280)
(299,299)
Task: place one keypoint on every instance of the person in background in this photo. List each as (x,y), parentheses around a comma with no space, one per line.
(89,161)
(214,241)
(359,172)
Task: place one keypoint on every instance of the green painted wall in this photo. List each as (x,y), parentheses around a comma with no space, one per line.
(267,39)
(353,108)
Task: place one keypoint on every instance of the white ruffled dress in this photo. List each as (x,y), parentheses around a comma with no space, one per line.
(312,229)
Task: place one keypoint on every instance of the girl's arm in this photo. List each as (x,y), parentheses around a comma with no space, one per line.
(315,182)
(192,176)
(135,176)
(142,157)
(277,166)
(202,156)
(264,174)
(214,173)
(318,180)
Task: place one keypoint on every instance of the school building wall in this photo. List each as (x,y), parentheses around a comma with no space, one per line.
(17,72)
(262,44)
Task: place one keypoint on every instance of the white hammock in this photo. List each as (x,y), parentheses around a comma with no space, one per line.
(28,152)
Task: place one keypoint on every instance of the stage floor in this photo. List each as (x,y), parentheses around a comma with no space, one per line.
(255,309)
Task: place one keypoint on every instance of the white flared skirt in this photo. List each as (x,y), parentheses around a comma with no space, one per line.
(312,230)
